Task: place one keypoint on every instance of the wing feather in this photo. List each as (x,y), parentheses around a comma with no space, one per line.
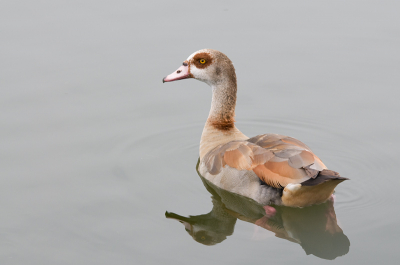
(276,159)
(301,159)
(240,158)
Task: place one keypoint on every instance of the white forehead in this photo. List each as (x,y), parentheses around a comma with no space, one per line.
(193,54)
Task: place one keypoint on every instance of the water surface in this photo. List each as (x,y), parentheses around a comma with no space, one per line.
(95,149)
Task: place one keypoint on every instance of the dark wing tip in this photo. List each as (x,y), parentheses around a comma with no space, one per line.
(323,176)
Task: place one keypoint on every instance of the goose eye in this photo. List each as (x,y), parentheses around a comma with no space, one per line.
(202,61)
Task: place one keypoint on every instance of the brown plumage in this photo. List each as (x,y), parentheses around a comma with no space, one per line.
(223,124)
(276,159)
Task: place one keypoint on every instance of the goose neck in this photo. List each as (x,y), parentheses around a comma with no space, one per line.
(222,112)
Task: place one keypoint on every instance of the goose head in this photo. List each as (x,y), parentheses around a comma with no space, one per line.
(207,65)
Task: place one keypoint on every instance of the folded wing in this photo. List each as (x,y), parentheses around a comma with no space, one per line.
(276,159)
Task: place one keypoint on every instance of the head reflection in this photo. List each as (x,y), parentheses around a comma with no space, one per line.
(314,228)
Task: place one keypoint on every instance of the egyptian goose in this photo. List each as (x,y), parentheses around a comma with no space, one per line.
(259,167)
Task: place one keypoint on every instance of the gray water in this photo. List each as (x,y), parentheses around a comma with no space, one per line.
(94,149)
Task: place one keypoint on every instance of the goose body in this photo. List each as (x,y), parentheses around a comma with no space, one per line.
(267,168)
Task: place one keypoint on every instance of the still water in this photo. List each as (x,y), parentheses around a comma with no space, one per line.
(98,157)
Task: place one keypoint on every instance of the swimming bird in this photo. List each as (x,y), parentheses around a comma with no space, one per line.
(268,168)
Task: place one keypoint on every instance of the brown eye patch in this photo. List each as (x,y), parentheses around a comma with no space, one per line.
(198,60)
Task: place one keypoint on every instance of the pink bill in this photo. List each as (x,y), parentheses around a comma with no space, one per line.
(181,73)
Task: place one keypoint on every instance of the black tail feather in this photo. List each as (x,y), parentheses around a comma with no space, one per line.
(323,176)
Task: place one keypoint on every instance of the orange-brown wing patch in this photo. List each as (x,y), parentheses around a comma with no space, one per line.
(239,158)
(279,174)
(270,178)
(276,159)
(277,142)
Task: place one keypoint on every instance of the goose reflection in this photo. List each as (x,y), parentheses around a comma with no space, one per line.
(314,228)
